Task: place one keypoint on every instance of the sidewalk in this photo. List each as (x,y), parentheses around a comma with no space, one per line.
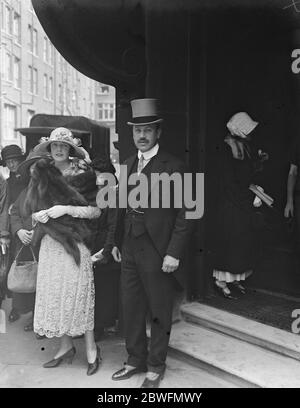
(22,357)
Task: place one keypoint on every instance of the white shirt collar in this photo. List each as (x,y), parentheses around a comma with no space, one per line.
(150,153)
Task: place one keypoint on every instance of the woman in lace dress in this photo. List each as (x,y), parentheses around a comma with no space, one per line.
(65,293)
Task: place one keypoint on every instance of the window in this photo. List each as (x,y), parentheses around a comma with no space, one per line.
(35,81)
(10,121)
(60,94)
(35,42)
(2,16)
(103,89)
(51,88)
(8,23)
(45,49)
(106,111)
(50,54)
(30,114)
(111,111)
(8,64)
(30,38)
(46,89)
(30,79)
(17,27)
(17,73)
(68,97)
(48,51)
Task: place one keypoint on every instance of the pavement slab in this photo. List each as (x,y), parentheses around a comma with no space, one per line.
(22,357)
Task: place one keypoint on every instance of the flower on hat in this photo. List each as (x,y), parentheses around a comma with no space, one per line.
(77,141)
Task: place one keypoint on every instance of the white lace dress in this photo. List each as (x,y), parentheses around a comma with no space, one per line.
(65,293)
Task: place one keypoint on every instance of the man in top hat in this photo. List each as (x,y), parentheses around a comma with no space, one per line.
(153,242)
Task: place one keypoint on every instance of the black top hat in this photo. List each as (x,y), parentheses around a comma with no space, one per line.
(11,152)
(144,112)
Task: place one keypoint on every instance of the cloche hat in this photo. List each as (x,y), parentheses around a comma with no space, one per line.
(241,125)
(63,135)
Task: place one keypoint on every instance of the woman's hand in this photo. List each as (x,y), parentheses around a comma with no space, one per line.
(57,211)
(41,216)
(98,256)
(116,254)
(25,236)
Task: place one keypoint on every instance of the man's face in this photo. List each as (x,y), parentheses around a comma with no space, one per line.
(145,136)
(13,164)
(60,151)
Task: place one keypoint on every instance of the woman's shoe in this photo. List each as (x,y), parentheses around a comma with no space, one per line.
(223,292)
(239,287)
(13,316)
(93,367)
(68,357)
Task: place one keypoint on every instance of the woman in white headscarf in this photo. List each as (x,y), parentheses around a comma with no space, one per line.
(236,251)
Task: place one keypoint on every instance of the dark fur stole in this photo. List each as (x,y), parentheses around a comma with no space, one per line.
(67,230)
(85,184)
(46,189)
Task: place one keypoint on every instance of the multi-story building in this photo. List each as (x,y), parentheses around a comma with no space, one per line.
(105,108)
(34,76)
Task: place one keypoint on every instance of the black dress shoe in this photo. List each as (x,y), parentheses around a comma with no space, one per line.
(148,383)
(126,373)
(239,287)
(13,316)
(68,357)
(93,367)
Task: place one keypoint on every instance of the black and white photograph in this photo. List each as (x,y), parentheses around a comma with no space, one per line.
(149,196)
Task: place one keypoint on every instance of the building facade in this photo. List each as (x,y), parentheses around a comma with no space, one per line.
(35,78)
(105,112)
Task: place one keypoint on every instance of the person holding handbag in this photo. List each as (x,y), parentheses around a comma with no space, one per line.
(11,157)
(22,230)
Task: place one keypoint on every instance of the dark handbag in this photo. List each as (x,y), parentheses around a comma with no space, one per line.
(22,274)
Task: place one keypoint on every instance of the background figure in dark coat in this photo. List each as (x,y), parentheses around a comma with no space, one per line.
(12,156)
(154,241)
(21,233)
(236,243)
(106,268)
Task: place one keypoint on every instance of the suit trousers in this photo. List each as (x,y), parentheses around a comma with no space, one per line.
(146,288)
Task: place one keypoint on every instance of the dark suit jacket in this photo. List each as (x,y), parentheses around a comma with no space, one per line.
(19,221)
(167,227)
